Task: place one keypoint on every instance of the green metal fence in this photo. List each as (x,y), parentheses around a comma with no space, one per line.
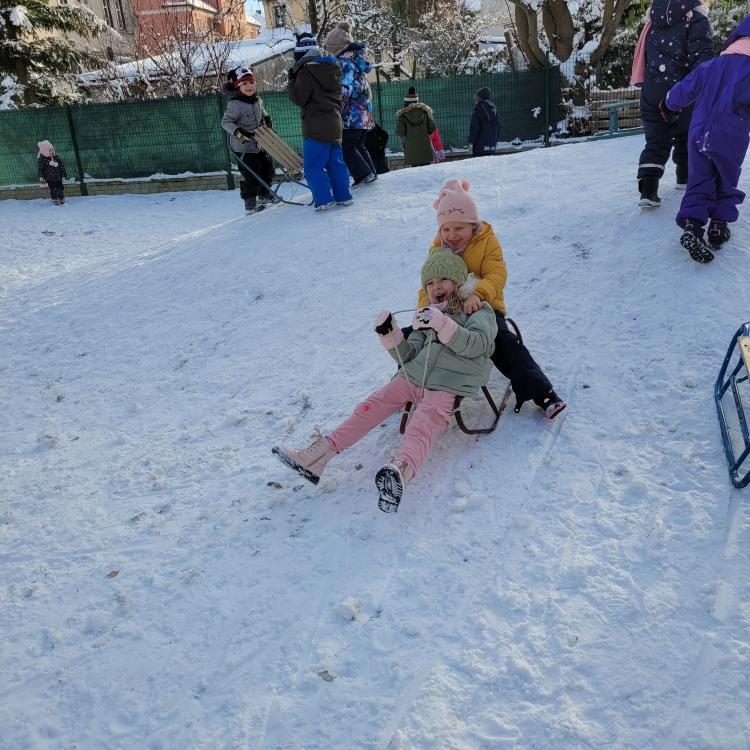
(172,136)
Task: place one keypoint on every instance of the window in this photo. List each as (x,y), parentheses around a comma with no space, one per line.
(107,13)
(279,16)
(120,14)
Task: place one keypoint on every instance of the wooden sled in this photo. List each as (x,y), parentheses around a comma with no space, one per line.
(497,409)
(278,149)
(287,164)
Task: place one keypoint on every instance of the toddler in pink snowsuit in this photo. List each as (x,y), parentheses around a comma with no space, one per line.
(446,355)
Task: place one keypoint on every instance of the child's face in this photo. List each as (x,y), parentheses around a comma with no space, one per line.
(438,290)
(51,151)
(455,234)
(247,87)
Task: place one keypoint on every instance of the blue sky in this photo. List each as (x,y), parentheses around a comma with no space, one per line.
(253,5)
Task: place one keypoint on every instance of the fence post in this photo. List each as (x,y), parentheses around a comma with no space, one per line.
(547,100)
(76,151)
(380,100)
(227,160)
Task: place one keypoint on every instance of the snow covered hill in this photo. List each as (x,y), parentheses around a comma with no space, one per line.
(167,584)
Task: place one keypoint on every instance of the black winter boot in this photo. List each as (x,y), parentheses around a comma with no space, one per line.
(718,233)
(692,240)
(649,189)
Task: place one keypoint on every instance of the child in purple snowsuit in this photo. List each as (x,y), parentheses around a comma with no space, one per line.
(717,142)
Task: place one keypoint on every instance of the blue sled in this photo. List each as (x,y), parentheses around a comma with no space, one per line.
(735,436)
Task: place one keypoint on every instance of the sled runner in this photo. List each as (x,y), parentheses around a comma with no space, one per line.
(288,164)
(497,409)
(734,422)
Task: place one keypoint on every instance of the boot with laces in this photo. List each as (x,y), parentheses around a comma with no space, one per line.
(692,240)
(308,462)
(390,481)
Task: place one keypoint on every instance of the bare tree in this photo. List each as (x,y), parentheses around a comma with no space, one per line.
(445,41)
(190,54)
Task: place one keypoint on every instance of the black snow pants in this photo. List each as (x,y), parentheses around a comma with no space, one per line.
(661,137)
(262,165)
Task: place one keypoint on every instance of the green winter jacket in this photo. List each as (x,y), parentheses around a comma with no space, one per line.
(462,366)
(415,123)
(315,87)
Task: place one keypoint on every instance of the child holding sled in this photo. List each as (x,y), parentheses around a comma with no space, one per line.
(462,232)
(446,355)
(246,112)
(717,142)
(51,172)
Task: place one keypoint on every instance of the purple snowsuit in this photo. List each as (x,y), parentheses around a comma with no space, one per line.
(719,133)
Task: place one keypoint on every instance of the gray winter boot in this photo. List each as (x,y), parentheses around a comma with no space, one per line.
(308,462)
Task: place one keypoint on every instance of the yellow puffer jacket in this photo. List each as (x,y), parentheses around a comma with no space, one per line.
(484,258)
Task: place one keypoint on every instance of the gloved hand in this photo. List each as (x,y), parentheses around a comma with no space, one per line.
(390,335)
(267,121)
(292,73)
(244,135)
(440,155)
(431,317)
(668,115)
(42,183)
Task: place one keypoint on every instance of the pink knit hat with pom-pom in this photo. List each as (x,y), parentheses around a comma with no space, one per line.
(455,204)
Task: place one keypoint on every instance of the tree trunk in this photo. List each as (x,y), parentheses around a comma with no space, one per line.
(528,34)
(558,25)
(611,18)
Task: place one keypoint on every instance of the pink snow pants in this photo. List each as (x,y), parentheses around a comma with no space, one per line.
(428,420)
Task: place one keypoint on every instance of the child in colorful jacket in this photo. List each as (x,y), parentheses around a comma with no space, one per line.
(674,41)
(315,87)
(462,231)
(245,112)
(446,355)
(717,142)
(51,172)
(356,102)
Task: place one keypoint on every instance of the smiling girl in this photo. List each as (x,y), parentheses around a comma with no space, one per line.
(446,355)
(466,235)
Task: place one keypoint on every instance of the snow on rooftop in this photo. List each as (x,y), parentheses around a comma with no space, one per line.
(250,52)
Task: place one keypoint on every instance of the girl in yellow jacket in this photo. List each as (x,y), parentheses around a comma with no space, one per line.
(461,230)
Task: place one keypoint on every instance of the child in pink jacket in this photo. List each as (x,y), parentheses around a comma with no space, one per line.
(447,355)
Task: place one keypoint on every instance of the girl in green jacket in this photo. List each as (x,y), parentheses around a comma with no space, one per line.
(446,355)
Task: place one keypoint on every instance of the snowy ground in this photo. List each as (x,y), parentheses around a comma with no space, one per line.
(166,583)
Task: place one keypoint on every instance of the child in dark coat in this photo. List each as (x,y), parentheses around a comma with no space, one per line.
(485,125)
(315,87)
(675,40)
(51,172)
(376,142)
(717,142)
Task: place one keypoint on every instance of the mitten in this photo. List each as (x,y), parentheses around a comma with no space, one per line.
(267,121)
(390,336)
(243,135)
(431,317)
(668,115)
(440,155)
